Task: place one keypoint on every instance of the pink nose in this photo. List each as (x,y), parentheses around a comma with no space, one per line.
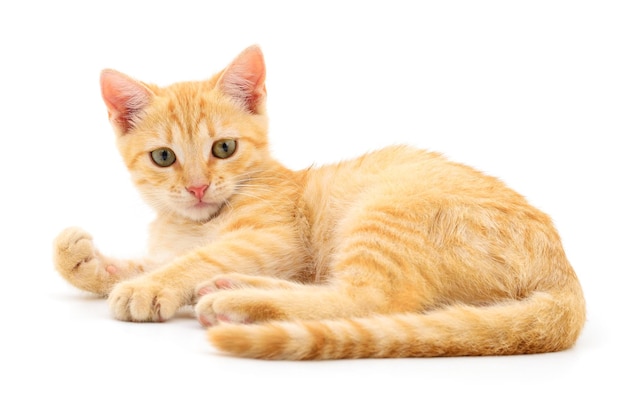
(198,191)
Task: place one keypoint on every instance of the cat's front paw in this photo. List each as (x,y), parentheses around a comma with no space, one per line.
(77,260)
(143,300)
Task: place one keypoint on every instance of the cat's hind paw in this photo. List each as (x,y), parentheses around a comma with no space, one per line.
(239,298)
(77,260)
(247,305)
(210,314)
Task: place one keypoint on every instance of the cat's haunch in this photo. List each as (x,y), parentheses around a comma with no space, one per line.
(397,253)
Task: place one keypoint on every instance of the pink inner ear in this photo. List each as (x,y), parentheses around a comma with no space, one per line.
(244,79)
(124,98)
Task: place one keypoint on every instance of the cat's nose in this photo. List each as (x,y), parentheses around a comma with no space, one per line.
(198,191)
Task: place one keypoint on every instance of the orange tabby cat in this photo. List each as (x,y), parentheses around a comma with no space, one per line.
(399,253)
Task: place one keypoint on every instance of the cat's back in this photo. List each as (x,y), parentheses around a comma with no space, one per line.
(412,183)
(401,171)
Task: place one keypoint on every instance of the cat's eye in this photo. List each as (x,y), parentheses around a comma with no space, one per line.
(163,157)
(224,148)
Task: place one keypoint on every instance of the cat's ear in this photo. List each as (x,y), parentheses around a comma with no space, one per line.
(124,97)
(244,79)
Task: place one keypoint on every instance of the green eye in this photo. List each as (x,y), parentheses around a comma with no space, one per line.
(163,157)
(224,148)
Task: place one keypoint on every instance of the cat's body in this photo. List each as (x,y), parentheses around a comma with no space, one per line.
(397,253)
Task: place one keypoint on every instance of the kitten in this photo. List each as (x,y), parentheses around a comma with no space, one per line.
(398,253)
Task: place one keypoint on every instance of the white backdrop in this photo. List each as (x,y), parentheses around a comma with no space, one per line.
(532,92)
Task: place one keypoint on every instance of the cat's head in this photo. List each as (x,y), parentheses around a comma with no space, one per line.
(191,145)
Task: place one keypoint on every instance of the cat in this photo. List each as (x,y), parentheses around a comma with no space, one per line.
(397,253)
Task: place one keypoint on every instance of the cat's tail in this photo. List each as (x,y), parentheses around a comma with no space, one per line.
(542,322)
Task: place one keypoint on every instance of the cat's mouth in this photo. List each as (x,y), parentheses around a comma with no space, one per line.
(202,204)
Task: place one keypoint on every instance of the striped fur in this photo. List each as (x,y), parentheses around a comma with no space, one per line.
(398,253)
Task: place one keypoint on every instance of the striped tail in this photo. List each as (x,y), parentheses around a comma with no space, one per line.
(543,322)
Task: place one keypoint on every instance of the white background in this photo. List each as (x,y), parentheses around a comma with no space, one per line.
(533,92)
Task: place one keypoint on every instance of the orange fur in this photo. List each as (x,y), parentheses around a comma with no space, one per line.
(398,253)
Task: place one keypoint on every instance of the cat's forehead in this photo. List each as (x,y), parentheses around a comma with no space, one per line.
(189,112)
(192,106)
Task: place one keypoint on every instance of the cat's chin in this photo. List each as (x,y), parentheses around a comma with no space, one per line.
(202,211)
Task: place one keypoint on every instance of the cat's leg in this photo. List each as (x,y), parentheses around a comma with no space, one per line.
(150,299)
(289,302)
(157,296)
(373,272)
(238,280)
(82,265)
